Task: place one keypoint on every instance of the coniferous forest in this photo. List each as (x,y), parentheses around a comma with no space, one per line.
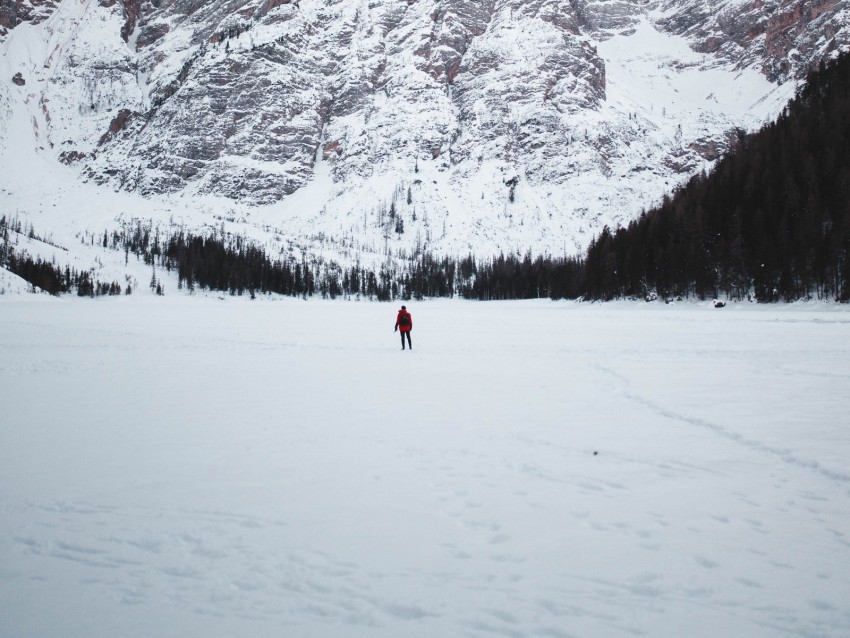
(771,222)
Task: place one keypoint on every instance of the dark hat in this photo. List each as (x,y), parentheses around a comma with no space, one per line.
(404,307)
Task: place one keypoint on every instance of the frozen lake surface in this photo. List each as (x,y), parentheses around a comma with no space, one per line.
(181,467)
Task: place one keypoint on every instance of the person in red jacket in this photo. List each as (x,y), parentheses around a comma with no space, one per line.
(404,324)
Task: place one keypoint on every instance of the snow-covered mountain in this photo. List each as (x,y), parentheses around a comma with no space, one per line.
(376,125)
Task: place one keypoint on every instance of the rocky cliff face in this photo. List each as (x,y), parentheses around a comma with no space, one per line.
(512,121)
(15,12)
(782,38)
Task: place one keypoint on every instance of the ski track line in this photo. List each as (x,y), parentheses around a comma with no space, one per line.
(784,455)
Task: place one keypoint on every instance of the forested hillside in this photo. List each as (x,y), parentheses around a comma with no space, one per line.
(772,220)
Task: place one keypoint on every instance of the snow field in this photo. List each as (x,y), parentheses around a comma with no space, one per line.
(201,467)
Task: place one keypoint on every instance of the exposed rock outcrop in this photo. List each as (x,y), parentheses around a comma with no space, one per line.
(15,12)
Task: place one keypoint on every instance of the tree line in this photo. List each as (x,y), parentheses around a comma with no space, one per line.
(217,261)
(48,276)
(220,262)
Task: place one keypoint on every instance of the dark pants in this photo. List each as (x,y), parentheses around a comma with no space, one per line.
(408,339)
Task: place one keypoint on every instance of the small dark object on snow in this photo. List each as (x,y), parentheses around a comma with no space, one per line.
(595,453)
(19,79)
(719,304)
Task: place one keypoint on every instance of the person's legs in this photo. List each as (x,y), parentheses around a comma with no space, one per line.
(402,339)
(409,343)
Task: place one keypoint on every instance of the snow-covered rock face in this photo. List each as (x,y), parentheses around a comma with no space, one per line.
(481,124)
(14,12)
(782,38)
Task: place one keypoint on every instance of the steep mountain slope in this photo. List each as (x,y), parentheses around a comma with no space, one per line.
(452,125)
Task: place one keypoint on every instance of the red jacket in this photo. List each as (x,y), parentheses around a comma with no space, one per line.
(398,323)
